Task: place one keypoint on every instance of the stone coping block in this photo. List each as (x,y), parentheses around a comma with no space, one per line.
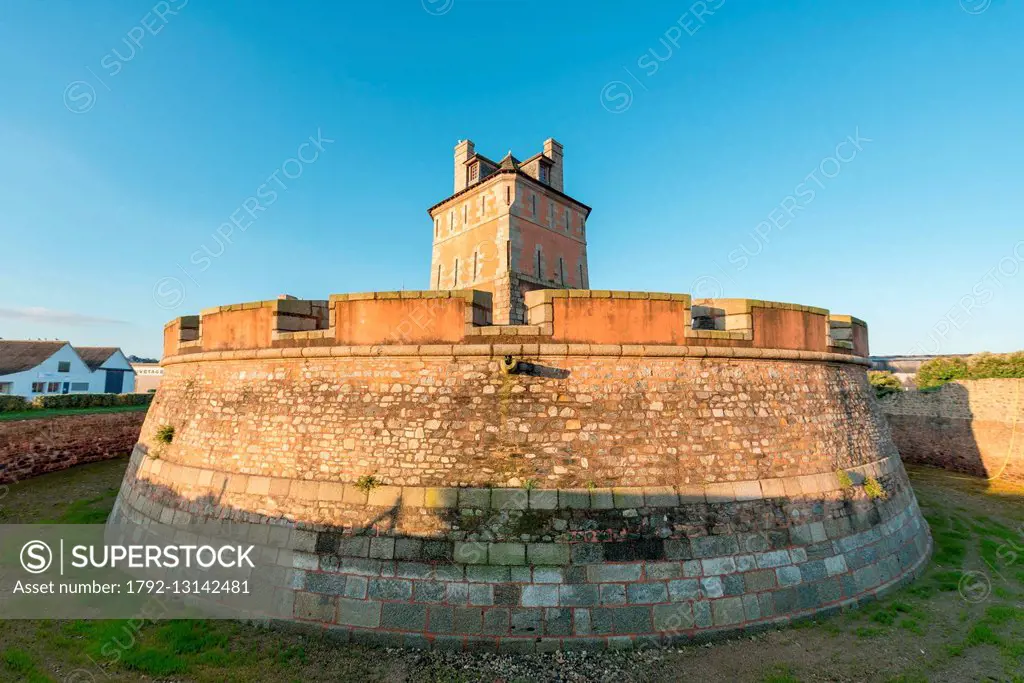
(448,351)
(483,498)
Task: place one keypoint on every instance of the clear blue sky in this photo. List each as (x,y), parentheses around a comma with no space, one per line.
(119,167)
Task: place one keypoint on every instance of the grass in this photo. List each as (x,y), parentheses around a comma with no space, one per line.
(53,412)
(926,632)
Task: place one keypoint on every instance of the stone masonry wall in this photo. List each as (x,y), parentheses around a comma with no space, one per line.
(32,447)
(972,426)
(571,422)
(604,476)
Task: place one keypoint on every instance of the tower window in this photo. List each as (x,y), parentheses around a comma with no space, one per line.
(476,261)
(561,270)
(539,272)
(543,173)
(581,275)
(455,275)
(533,204)
(438,282)
(465,213)
(483,204)
(568,221)
(508,195)
(451,221)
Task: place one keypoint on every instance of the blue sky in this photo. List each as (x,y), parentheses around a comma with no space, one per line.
(709,139)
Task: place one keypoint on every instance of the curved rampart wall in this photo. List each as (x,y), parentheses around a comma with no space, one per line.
(648,471)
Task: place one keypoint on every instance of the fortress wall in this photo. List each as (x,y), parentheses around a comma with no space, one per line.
(605,476)
(457,420)
(972,426)
(32,447)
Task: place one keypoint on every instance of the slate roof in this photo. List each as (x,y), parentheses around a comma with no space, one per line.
(95,356)
(18,356)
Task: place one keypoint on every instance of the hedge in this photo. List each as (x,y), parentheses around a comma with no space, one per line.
(938,371)
(18,404)
(91,400)
(13,404)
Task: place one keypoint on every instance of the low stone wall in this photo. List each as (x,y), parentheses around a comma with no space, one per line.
(972,426)
(32,447)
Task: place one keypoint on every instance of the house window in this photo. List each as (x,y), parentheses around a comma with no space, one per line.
(64,366)
(38,387)
(79,386)
(6,387)
(53,387)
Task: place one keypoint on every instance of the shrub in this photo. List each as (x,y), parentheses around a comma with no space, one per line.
(91,400)
(844,479)
(884,382)
(367,483)
(874,489)
(938,371)
(165,434)
(13,404)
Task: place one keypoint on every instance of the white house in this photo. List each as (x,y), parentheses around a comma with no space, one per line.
(35,368)
(112,373)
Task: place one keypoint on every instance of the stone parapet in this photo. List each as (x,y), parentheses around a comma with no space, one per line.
(571,316)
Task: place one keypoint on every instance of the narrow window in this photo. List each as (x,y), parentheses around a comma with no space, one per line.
(539,274)
(437,227)
(533,204)
(543,173)
(568,221)
(451,221)
(551,214)
(455,278)
(64,366)
(561,270)
(581,275)
(465,213)
(483,205)
(475,263)
(508,255)
(438,285)
(508,195)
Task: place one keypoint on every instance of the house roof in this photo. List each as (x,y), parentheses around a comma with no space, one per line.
(18,356)
(95,356)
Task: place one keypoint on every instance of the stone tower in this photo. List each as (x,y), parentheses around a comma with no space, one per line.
(509,228)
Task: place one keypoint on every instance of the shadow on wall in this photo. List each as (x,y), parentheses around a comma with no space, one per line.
(970,426)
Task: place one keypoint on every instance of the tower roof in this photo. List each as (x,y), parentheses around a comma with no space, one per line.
(509,163)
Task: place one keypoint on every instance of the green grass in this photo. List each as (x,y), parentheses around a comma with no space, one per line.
(53,412)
